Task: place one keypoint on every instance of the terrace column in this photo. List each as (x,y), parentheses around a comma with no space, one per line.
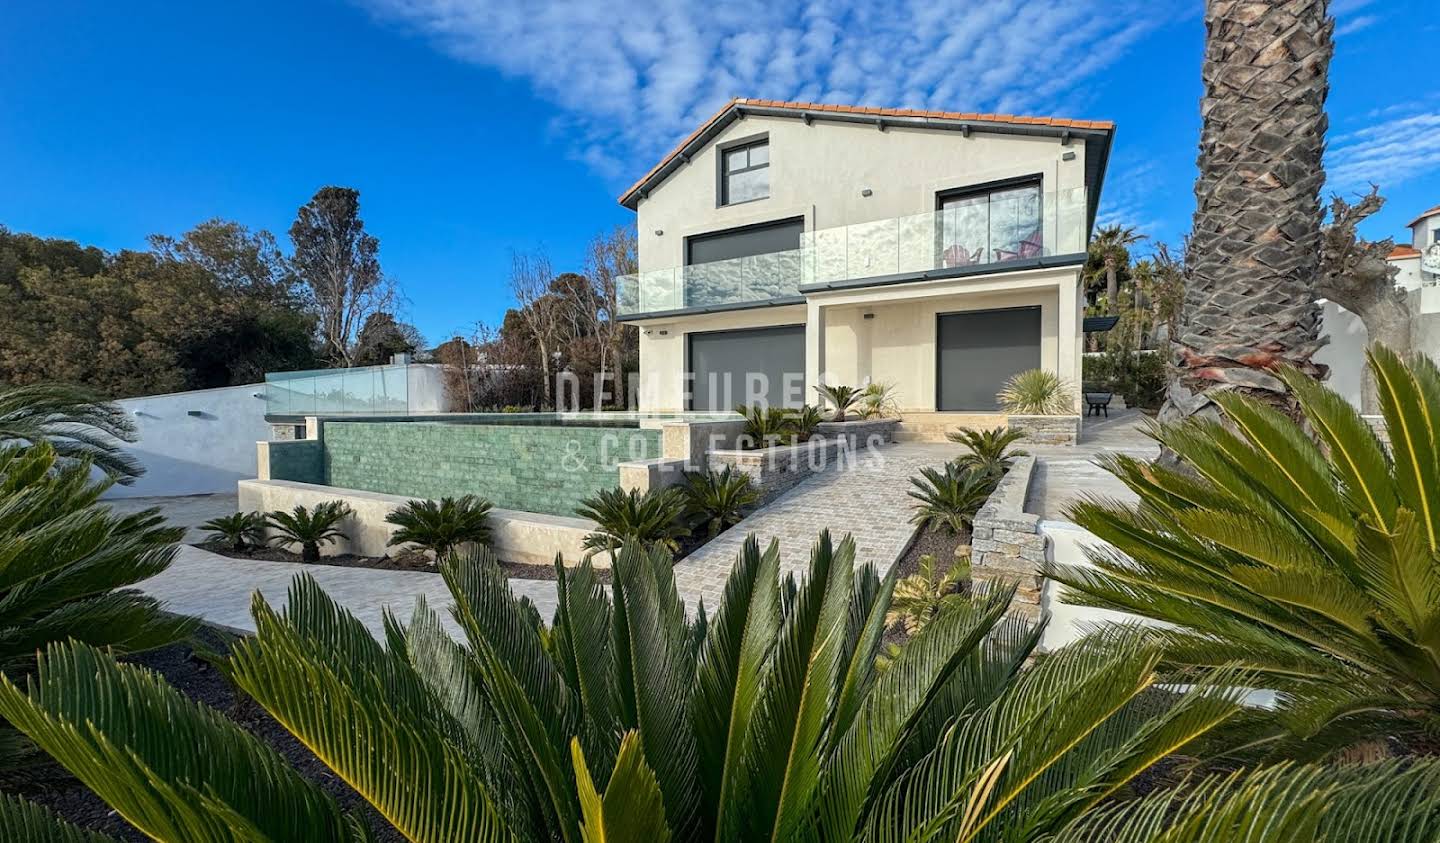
(1071,340)
(814,349)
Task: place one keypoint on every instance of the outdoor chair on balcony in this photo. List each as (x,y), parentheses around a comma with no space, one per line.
(1031,247)
(958,256)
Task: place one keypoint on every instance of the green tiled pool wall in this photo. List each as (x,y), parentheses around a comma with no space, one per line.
(300,460)
(530,468)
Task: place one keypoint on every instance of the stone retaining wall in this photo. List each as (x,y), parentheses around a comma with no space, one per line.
(779,468)
(1047,430)
(1006,543)
(861,433)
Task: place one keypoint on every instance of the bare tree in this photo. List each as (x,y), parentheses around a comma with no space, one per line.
(530,277)
(612,254)
(1355,275)
(339,261)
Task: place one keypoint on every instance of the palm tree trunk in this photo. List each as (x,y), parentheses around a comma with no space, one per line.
(1250,276)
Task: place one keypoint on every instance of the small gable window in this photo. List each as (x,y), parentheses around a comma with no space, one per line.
(745,173)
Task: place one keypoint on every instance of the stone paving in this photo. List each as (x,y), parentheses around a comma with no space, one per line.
(189,511)
(1065,474)
(218,589)
(866,498)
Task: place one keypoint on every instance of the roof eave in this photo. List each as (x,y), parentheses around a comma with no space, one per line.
(738,109)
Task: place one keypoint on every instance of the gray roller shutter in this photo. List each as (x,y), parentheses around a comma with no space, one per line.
(724,364)
(977,351)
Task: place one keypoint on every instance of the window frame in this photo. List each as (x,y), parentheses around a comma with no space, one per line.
(1036,180)
(722,185)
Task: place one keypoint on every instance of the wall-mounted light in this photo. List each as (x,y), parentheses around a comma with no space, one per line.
(257,395)
(1067,156)
(869,316)
(865,191)
(196,413)
(659,232)
(664,333)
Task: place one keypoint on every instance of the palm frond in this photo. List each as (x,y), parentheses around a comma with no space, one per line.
(78,424)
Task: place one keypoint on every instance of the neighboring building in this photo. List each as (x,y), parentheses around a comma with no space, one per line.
(936,251)
(1419,260)
(1418,265)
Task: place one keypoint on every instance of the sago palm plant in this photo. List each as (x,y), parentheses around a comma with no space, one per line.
(920,596)
(240,530)
(764,426)
(990,450)
(625,518)
(75,422)
(948,498)
(805,423)
(719,499)
(1314,562)
(442,526)
(625,720)
(1037,392)
(309,528)
(841,397)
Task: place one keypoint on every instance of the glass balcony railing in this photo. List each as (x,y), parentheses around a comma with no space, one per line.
(367,390)
(971,235)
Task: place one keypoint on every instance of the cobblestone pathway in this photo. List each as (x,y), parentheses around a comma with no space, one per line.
(866,499)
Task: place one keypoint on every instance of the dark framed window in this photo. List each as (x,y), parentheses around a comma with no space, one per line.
(989,223)
(745,172)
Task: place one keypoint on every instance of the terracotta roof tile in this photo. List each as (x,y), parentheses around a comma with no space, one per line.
(1104,125)
(1402,252)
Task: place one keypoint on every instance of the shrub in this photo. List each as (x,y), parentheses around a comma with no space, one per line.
(921,596)
(628,720)
(441,527)
(878,401)
(949,498)
(1306,554)
(309,528)
(240,530)
(628,517)
(804,422)
(990,451)
(1138,377)
(1037,392)
(764,426)
(719,499)
(842,397)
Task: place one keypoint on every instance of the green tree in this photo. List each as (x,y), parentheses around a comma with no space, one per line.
(382,337)
(339,261)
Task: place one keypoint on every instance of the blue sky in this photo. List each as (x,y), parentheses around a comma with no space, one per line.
(474,127)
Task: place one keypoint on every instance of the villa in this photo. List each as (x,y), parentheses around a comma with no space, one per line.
(784,245)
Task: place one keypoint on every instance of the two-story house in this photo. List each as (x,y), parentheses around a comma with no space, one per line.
(783,245)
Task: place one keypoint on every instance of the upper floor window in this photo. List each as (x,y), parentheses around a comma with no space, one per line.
(987,225)
(745,173)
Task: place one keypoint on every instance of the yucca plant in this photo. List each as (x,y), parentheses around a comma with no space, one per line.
(1037,392)
(842,398)
(719,499)
(920,596)
(77,423)
(625,518)
(804,423)
(626,720)
(1311,555)
(990,451)
(240,530)
(440,527)
(949,498)
(309,528)
(877,401)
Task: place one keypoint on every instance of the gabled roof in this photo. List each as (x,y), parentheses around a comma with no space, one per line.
(1402,252)
(1098,132)
(1430,213)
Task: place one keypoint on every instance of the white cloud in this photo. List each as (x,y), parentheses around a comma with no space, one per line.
(1354,25)
(1385,153)
(1130,190)
(631,78)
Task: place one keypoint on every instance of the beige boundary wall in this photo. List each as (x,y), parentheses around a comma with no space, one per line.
(527,537)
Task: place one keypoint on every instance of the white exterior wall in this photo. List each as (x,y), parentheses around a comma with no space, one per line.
(818,171)
(194,455)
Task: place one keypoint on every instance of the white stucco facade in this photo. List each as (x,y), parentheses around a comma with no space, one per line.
(840,177)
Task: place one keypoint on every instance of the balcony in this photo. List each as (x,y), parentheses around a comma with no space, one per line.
(960,238)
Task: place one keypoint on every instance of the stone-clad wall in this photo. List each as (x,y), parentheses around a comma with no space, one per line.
(1047,430)
(297,460)
(1006,543)
(532,468)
